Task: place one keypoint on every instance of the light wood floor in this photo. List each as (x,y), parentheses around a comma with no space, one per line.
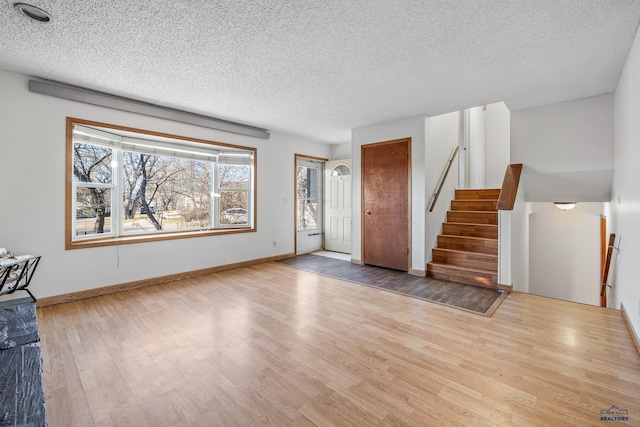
(272,345)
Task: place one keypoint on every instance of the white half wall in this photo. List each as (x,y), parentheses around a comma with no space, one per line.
(32,211)
(564,257)
(625,204)
(517,272)
(477,147)
(411,127)
(567,150)
(498,143)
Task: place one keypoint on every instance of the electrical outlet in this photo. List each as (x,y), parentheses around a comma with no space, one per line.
(275,243)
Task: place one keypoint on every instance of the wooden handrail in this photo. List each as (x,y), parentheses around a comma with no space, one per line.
(443,179)
(509,189)
(605,274)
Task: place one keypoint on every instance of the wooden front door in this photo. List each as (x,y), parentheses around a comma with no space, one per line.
(385,200)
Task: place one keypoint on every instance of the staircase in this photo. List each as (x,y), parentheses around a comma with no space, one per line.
(467,250)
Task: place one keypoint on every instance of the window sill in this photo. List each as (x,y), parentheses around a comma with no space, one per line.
(125,240)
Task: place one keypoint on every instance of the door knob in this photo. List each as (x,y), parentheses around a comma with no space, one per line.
(367,212)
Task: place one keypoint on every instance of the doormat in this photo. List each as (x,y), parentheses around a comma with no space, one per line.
(473,299)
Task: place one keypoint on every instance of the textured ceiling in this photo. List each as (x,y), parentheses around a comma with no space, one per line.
(319,68)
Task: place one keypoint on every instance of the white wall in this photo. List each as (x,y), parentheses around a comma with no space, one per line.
(441,140)
(625,203)
(477,148)
(411,127)
(32,211)
(567,152)
(498,143)
(340,151)
(433,140)
(568,136)
(564,252)
(489,145)
(566,149)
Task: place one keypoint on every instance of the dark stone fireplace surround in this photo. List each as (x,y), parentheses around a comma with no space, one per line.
(22,398)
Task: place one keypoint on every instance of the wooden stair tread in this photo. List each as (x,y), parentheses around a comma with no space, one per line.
(470,224)
(455,236)
(457,251)
(478,194)
(470,229)
(482,245)
(476,200)
(480,205)
(472,212)
(460,268)
(473,217)
(467,248)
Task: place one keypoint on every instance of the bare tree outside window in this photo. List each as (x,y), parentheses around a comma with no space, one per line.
(171,193)
(92,167)
(307,198)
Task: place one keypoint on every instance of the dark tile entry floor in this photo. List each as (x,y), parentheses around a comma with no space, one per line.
(465,297)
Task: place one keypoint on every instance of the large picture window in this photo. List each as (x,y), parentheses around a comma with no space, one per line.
(127,185)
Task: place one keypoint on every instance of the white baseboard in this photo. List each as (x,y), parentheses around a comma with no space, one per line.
(632,331)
